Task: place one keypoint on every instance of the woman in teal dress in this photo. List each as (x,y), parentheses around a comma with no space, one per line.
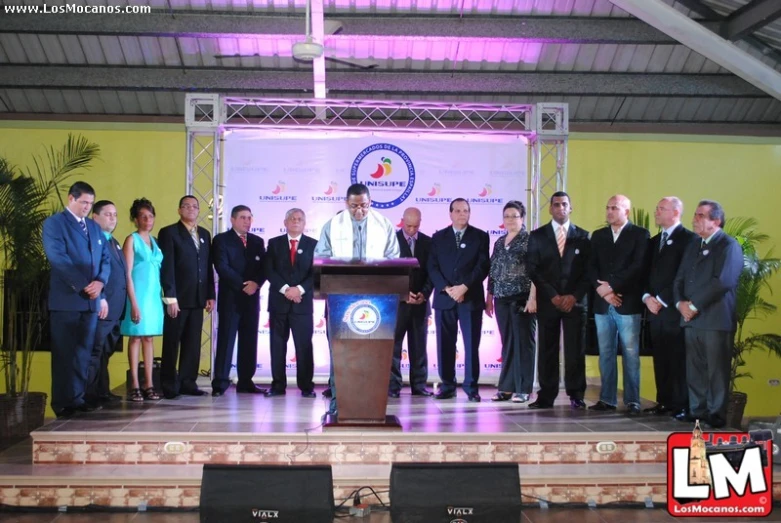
(144,311)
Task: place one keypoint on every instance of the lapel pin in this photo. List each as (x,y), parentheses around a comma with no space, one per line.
(705,252)
(257,258)
(202,240)
(100,242)
(577,251)
(300,251)
(669,242)
(463,246)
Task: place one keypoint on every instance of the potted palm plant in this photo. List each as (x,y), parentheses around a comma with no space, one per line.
(27,198)
(754,280)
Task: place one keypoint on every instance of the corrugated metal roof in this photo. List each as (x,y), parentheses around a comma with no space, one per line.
(389,53)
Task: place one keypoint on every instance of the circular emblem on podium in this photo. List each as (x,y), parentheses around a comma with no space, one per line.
(363,317)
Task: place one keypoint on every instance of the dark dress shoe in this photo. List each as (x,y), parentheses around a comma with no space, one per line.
(394,394)
(194,392)
(109,398)
(308,394)
(633,410)
(474,397)
(682,415)
(217,393)
(577,404)
(716,422)
(65,413)
(658,410)
(171,395)
(250,389)
(442,395)
(271,393)
(539,404)
(327,393)
(601,406)
(422,392)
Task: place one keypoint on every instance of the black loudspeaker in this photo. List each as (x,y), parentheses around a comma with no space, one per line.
(156,364)
(267,493)
(455,492)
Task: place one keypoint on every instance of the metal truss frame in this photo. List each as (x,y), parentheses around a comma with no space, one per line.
(208,116)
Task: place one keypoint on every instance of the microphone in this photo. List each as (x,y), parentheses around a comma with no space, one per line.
(360,242)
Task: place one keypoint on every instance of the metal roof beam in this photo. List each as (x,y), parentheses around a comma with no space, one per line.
(750,18)
(699,39)
(216,25)
(229,80)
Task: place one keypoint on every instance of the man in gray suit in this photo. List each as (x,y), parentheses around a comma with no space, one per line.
(705,292)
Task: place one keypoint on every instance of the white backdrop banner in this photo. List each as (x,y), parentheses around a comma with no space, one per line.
(273,171)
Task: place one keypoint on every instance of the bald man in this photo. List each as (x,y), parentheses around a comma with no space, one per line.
(617,272)
(414,311)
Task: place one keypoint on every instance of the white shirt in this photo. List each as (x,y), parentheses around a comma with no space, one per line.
(286,286)
(556,228)
(78,219)
(617,234)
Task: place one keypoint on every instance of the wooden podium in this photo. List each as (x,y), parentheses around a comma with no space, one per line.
(362,304)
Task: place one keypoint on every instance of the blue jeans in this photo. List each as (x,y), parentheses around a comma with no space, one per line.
(611,327)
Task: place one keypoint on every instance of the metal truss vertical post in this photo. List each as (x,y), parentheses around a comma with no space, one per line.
(202,118)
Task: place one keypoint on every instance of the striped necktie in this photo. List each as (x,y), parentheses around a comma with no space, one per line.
(561,241)
(83,224)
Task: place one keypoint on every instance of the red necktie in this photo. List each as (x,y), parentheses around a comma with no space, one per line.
(293,244)
(243,239)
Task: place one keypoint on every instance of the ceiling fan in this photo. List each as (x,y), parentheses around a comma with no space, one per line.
(309,49)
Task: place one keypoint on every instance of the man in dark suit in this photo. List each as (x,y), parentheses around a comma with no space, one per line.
(112,309)
(457,264)
(80,268)
(664,320)
(187,279)
(290,303)
(705,293)
(238,258)
(414,311)
(558,259)
(617,271)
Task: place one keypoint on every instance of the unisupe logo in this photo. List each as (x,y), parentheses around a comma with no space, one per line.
(387,171)
(362,317)
(330,195)
(484,196)
(432,195)
(277,194)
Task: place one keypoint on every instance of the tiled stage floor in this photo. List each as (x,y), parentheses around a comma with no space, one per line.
(248,413)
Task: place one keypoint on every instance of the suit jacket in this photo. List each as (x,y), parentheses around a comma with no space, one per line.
(186,273)
(662,268)
(115,291)
(622,264)
(554,274)
(709,279)
(420,282)
(236,264)
(450,264)
(281,272)
(75,261)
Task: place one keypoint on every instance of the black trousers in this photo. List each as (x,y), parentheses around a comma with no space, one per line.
(302,327)
(106,338)
(232,322)
(412,322)
(708,360)
(181,351)
(549,338)
(73,335)
(517,330)
(447,322)
(669,353)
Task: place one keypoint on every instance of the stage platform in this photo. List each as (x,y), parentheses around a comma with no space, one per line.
(152,454)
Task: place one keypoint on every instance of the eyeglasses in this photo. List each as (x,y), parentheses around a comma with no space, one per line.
(356,206)
(190,206)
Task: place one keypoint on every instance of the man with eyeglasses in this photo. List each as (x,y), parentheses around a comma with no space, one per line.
(80,268)
(458,264)
(360,233)
(188,288)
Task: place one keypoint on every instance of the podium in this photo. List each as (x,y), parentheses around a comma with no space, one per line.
(362,301)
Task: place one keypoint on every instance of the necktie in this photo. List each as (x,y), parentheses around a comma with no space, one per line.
(561,241)
(243,239)
(411,242)
(84,228)
(293,245)
(458,239)
(703,245)
(663,242)
(194,235)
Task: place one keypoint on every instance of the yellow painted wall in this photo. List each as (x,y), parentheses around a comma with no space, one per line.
(743,174)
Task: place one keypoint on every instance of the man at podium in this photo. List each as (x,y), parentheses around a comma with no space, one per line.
(359,233)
